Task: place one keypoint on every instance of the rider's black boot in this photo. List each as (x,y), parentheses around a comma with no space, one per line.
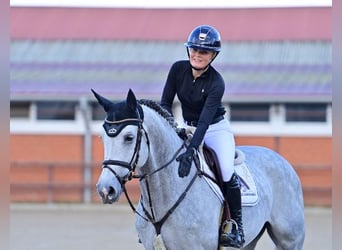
(232,193)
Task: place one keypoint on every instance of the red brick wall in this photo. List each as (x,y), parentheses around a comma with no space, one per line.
(306,151)
(39,160)
(46,148)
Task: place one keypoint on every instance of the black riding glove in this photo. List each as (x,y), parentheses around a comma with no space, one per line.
(185,161)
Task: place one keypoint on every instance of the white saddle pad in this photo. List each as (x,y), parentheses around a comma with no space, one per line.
(249,193)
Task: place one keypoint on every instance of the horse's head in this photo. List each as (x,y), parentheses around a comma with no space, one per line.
(125,146)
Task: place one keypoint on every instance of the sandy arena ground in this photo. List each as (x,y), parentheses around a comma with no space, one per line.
(111,227)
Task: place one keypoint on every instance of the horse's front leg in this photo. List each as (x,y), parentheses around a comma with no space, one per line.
(145,229)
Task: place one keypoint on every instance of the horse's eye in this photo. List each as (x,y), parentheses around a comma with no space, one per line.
(128,138)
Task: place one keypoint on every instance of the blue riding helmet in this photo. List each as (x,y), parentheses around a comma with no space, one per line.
(204,37)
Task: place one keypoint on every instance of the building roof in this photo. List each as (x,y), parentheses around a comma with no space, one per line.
(268,54)
(253,71)
(248,24)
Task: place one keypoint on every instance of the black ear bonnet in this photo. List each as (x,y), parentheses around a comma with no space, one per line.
(120,114)
(117,119)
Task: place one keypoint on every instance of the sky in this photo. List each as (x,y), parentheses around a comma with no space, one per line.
(173,3)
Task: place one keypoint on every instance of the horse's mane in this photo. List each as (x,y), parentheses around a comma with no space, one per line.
(160,110)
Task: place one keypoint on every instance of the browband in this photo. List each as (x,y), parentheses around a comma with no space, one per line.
(123,120)
(114,128)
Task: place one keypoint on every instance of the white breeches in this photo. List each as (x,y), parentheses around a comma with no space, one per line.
(220,138)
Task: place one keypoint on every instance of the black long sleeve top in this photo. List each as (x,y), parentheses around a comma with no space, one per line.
(201,98)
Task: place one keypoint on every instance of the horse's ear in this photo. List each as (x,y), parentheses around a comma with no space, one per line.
(105,103)
(131,100)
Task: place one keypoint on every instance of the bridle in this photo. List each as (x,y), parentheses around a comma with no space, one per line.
(112,129)
(132,164)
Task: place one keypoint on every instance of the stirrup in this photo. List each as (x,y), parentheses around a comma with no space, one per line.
(230,224)
(225,238)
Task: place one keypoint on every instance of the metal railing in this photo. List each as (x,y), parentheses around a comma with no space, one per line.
(52,182)
(64,182)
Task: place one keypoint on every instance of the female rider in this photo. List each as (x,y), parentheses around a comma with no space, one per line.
(200,89)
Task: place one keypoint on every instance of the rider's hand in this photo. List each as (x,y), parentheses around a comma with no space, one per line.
(181,132)
(185,161)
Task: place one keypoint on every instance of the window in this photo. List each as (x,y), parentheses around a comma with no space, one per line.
(20,109)
(306,112)
(257,112)
(56,110)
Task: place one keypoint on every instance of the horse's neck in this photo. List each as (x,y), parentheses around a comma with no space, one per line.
(163,186)
(164,141)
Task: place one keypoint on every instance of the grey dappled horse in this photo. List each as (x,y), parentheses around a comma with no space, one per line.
(140,141)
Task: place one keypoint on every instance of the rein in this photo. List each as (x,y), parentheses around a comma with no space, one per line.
(158,224)
(150,217)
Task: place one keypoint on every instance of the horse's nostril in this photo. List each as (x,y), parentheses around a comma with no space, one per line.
(111,191)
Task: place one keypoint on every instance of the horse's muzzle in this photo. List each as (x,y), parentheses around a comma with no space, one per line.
(107,196)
